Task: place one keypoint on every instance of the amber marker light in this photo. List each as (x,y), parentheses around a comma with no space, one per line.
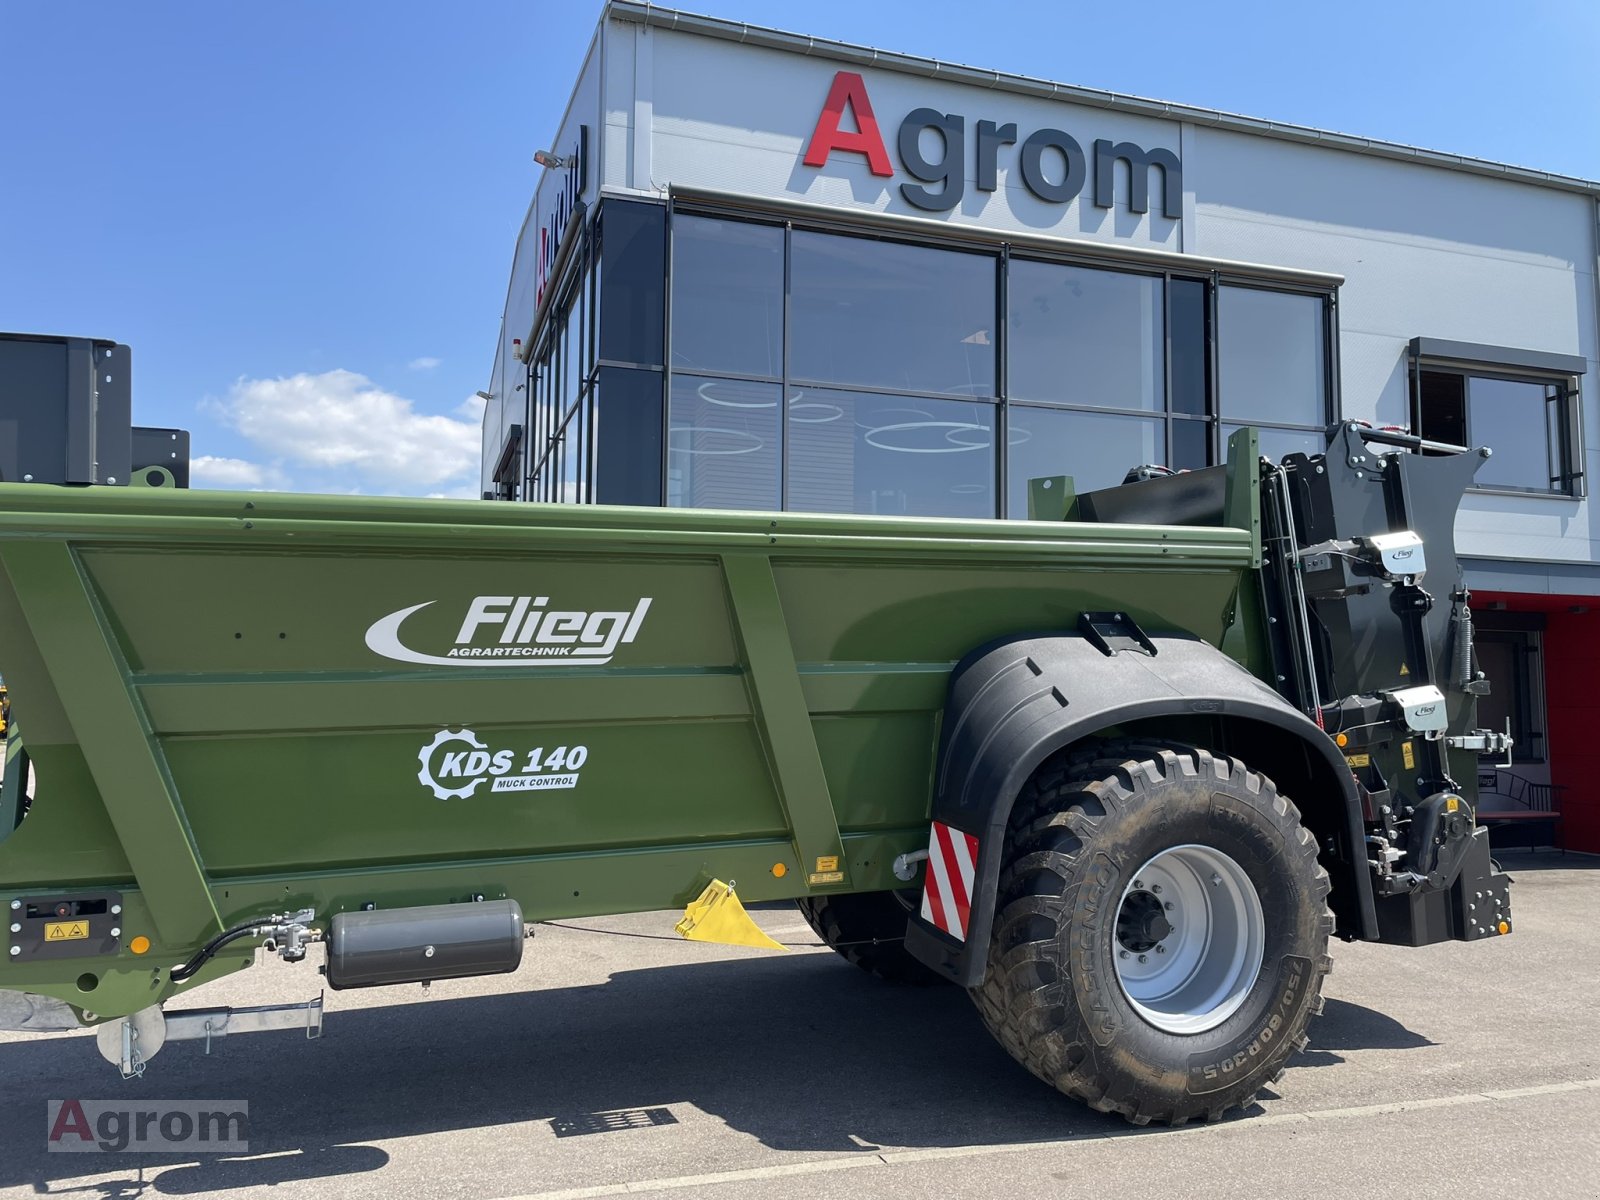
(140,945)
(1505,927)
(1342,739)
(779,870)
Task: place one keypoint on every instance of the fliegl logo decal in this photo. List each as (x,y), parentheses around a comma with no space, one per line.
(517,631)
(456,764)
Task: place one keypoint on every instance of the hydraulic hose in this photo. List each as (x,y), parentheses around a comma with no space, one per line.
(207,952)
(277,925)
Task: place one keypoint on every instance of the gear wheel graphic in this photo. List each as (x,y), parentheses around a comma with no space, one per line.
(425,756)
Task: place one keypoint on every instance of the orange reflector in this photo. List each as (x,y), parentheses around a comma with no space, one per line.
(1341,739)
(1505,927)
(779,870)
(140,945)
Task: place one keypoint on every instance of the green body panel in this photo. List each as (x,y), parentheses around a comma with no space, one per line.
(213,735)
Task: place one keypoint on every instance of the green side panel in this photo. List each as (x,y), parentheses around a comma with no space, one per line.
(874,611)
(70,839)
(880,766)
(121,750)
(293,611)
(352,799)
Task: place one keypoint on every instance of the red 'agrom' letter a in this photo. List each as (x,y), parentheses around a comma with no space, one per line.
(828,137)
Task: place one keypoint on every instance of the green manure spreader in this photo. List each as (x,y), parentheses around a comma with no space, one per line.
(1120,771)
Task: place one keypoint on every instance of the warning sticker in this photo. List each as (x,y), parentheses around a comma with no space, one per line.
(1358,760)
(1409,755)
(827,877)
(828,862)
(66,931)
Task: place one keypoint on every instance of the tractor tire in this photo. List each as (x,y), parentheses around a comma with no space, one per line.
(869,930)
(1161,931)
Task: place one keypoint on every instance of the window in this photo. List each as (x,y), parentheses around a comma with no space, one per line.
(1528,423)
(841,372)
(1512,660)
(1272,360)
(558,389)
(727,297)
(889,455)
(1123,360)
(1085,337)
(888,364)
(722,443)
(888,315)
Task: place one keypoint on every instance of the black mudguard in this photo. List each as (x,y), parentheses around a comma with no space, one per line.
(1013,703)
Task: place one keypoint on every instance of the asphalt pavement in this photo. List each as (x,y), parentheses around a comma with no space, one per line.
(620,1060)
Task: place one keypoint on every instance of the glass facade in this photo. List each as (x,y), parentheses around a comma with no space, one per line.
(563,448)
(760,364)
(825,371)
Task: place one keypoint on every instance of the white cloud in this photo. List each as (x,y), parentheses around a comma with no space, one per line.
(426,363)
(353,434)
(235,474)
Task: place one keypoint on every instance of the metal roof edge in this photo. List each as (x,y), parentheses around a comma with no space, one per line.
(776,39)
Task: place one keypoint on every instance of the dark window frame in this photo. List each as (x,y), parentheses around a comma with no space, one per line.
(1568,480)
(1527,703)
(1332,402)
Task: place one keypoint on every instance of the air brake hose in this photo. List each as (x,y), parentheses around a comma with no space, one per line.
(209,950)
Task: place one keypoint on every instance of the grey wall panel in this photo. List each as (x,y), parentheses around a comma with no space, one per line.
(1374,383)
(1552,528)
(533,242)
(1434,252)
(739,119)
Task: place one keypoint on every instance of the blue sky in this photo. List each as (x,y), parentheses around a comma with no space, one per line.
(301,215)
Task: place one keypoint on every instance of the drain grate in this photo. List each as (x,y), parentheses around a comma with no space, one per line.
(610,1122)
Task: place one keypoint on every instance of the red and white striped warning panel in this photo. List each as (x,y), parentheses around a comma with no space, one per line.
(947,890)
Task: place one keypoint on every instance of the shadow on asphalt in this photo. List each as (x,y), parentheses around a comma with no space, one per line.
(1346,1026)
(803,1053)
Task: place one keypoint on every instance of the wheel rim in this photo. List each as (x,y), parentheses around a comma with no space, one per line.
(1188,940)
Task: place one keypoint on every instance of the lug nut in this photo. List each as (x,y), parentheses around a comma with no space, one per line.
(1122,954)
(1144,958)
(1138,885)
(1167,906)
(1216,881)
(1161,949)
(1156,889)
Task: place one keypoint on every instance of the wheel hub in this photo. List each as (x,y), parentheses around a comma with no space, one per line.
(1189,939)
(1141,923)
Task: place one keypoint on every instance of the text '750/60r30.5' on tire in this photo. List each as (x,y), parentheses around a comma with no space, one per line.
(1161,931)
